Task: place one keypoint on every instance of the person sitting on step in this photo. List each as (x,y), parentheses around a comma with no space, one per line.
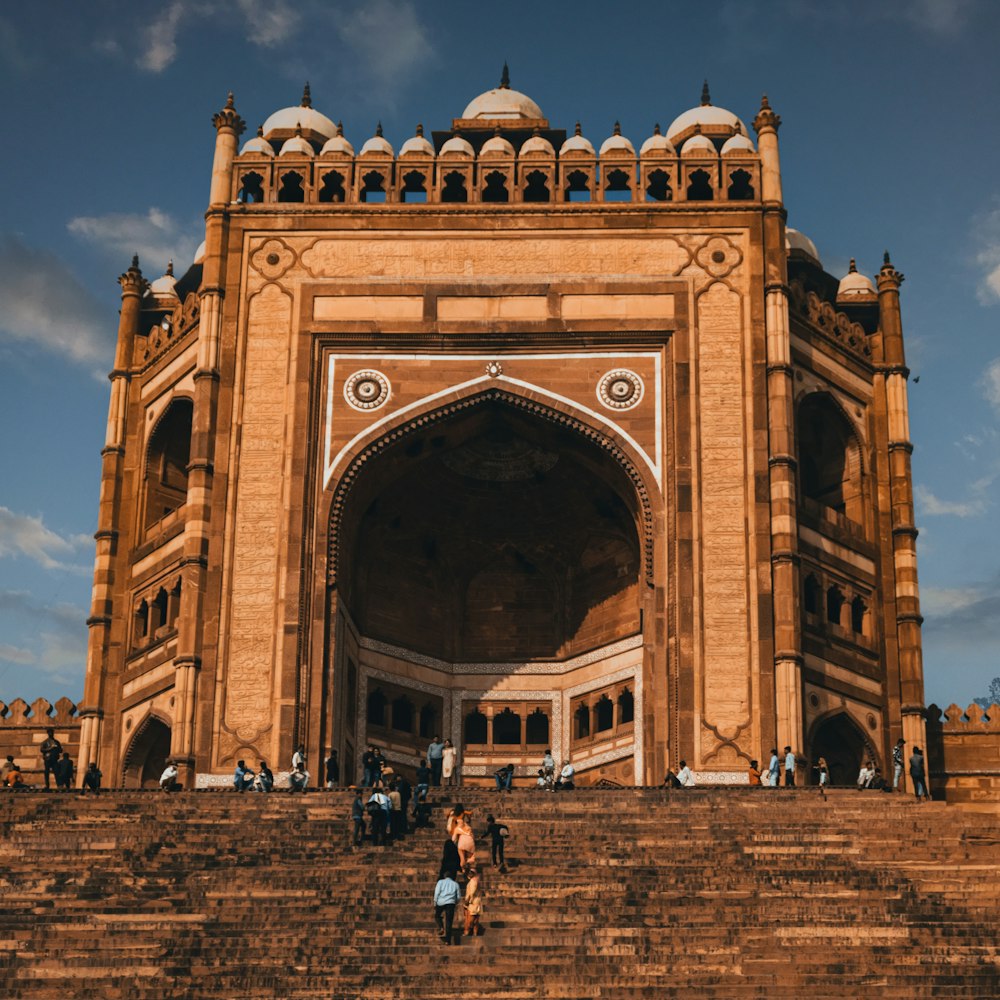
(91,780)
(566,777)
(298,780)
(685,775)
(168,780)
(242,777)
(504,778)
(265,778)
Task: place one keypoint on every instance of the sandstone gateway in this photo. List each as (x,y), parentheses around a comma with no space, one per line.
(507,438)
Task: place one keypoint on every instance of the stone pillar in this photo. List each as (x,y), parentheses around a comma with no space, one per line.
(781,443)
(194,564)
(904,532)
(98,684)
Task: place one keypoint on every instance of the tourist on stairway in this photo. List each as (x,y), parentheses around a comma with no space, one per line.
(168,780)
(498,834)
(91,780)
(435,757)
(446,897)
(298,780)
(449,760)
(865,775)
(504,777)
(897,764)
(5,769)
(824,776)
(265,778)
(242,777)
(358,817)
(397,824)
(685,775)
(465,841)
(423,780)
(379,768)
(51,751)
(405,794)
(566,776)
(670,779)
(473,904)
(754,774)
(368,765)
(13,779)
(450,860)
(299,757)
(918,775)
(549,764)
(64,773)
(789,768)
(378,808)
(332,767)
(773,769)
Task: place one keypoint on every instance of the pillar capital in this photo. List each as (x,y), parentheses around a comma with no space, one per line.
(766,119)
(227,119)
(889,279)
(132,281)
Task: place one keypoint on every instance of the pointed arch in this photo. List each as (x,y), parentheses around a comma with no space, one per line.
(147,752)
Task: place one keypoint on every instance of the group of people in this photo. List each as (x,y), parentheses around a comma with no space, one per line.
(548,780)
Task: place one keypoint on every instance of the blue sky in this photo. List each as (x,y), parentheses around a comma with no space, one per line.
(890,139)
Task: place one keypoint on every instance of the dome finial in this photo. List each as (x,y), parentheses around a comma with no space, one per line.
(135,262)
(378,129)
(885,260)
(298,129)
(170,267)
(765,104)
(420,129)
(260,131)
(656,129)
(340,128)
(578,130)
(618,128)
(505,77)
(853,268)
(307,100)
(230,105)
(705,97)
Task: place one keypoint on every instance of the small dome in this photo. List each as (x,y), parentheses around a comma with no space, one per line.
(457,146)
(855,283)
(657,145)
(578,144)
(496,145)
(313,124)
(617,143)
(537,145)
(338,145)
(698,145)
(165,287)
(737,145)
(199,254)
(794,240)
(258,145)
(417,145)
(376,145)
(714,121)
(502,102)
(296,146)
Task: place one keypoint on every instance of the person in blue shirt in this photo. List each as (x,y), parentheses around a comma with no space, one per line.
(435,757)
(242,777)
(446,897)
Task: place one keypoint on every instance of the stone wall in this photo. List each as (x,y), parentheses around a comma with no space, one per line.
(963,747)
(22,730)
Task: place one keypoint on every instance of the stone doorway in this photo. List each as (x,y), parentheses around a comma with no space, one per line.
(147,754)
(489,542)
(839,739)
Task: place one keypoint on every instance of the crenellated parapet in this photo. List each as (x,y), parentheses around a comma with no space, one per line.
(963,749)
(830,322)
(23,728)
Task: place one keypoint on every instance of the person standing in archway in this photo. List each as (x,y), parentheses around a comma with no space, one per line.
(449,761)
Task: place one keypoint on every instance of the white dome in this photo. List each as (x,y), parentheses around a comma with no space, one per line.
(855,283)
(794,240)
(502,102)
(417,145)
(736,145)
(698,145)
(713,121)
(537,145)
(657,145)
(313,124)
(199,254)
(296,146)
(496,145)
(617,143)
(376,145)
(338,145)
(577,143)
(258,145)
(457,146)
(166,285)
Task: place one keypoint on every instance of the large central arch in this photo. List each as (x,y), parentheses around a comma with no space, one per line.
(488,566)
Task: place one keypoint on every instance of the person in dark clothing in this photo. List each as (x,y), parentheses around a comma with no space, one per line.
(435,757)
(423,780)
(368,764)
(450,860)
(64,773)
(51,750)
(358,816)
(92,780)
(405,790)
(498,833)
(421,813)
(332,770)
(378,765)
(265,778)
(918,775)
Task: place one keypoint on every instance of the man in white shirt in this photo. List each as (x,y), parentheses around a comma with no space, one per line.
(566,776)
(446,897)
(168,780)
(685,776)
(773,769)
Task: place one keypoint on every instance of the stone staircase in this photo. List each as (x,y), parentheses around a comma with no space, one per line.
(624,894)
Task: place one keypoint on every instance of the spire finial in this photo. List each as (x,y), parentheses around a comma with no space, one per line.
(578,130)
(230,105)
(170,267)
(420,129)
(378,129)
(705,97)
(298,129)
(135,262)
(340,128)
(505,77)
(618,128)
(260,131)
(496,130)
(307,100)
(765,104)
(853,268)
(656,129)
(885,260)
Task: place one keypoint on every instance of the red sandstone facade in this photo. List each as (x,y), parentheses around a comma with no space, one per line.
(511,440)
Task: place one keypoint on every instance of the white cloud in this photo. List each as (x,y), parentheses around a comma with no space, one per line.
(986,237)
(156,237)
(58,635)
(27,536)
(14,654)
(969,615)
(937,17)
(43,303)
(388,39)
(990,381)
(269,25)
(932,506)
(161,38)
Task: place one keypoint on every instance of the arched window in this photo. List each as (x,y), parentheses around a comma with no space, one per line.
(617,186)
(251,188)
(414,186)
(812,592)
(740,188)
(428,721)
(537,186)
(291,187)
(506,728)
(626,707)
(577,188)
(658,186)
(581,719)
(859,616)
(454,189)
(158,616)
(829,458)
(332,188)
(475,728)
(376,708)
(373,187)
(834,605)
(402,714)
(495,189)
(167,460)
(141,627)
(699,186)
(536,728)
(604,714)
